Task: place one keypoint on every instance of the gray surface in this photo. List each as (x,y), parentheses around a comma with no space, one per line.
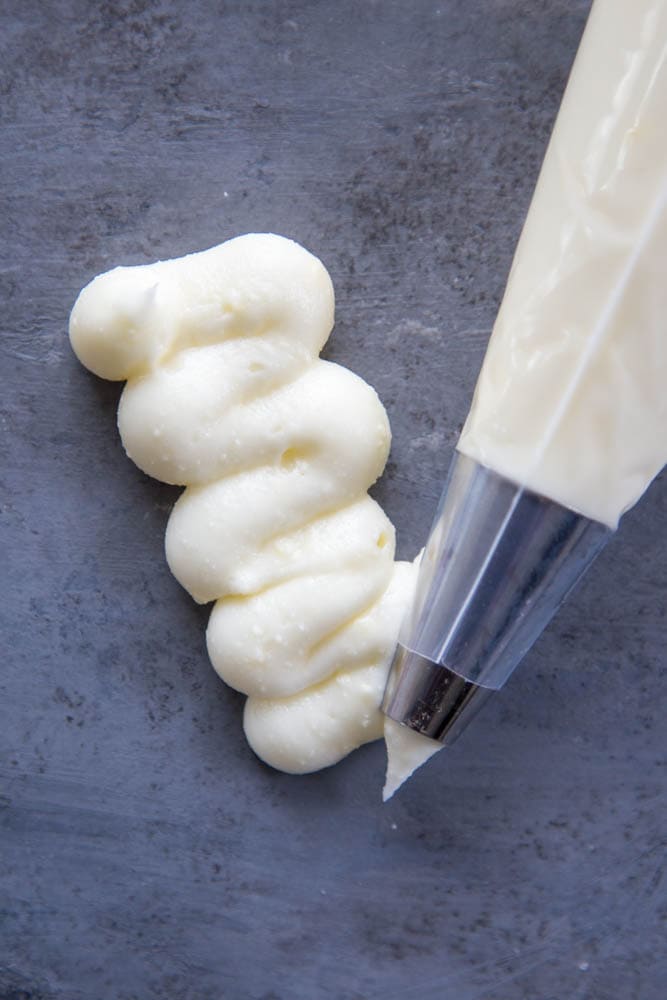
(145,851)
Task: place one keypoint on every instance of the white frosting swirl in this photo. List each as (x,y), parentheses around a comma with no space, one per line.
(226,395)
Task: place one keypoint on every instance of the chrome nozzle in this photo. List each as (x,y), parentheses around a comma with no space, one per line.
(499,562)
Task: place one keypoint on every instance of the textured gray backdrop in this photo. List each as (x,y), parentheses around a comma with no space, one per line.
(145,852)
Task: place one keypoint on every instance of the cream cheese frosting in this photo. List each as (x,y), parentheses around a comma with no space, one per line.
(226,395)
(571,399)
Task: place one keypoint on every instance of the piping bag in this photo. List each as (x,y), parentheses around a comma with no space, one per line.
(568,424)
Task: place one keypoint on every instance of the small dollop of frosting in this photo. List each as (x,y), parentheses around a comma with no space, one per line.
(407,750)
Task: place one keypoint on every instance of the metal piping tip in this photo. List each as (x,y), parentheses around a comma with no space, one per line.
(499,562)
(429,698)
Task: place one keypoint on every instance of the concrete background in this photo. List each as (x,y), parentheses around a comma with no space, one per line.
(145,853)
